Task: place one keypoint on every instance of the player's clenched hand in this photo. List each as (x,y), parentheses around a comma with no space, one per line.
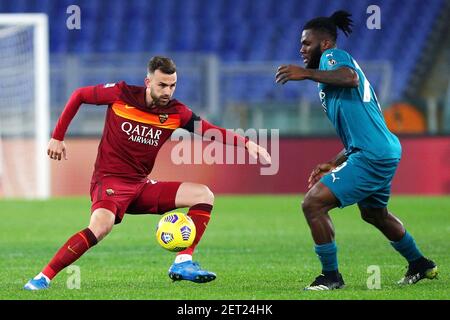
(56,149)
(254,150)
(290,72)
(318,172)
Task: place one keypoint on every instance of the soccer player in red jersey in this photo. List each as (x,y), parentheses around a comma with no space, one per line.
(139,120)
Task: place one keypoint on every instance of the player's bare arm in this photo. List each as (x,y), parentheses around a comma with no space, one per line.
(323,168)
(341,77)
(340,158)
(56,149)
(254,150)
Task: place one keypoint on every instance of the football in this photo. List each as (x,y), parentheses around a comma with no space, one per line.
(175,231)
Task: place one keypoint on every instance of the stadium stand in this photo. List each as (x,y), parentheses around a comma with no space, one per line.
(237,31)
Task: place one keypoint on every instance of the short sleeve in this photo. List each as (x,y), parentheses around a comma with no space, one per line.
(190,124)
(107,93)
(187,117)
(333,59)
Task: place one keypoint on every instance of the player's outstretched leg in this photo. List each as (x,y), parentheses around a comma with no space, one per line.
(102,221)
(401,240)
(318,201)
(200,200)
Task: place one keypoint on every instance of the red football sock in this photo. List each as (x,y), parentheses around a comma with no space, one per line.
(200,214)
(74,248)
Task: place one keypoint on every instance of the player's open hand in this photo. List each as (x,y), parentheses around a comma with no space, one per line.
(254,150)
(56,149)
(318,172)
(290,72)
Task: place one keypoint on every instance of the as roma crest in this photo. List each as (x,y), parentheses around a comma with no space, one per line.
(163,118)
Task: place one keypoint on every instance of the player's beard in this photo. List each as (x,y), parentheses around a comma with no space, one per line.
(314,62)
(159,101)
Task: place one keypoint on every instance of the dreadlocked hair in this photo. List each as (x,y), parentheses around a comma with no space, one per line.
(340,19)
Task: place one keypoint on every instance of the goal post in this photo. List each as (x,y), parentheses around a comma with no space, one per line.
(24,106)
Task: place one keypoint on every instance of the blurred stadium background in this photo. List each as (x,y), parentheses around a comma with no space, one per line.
(227,52)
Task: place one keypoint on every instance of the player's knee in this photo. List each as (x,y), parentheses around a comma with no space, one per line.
(374,217)
(205,195)
(367,218)
(313,205)
(101,224)
(310,207)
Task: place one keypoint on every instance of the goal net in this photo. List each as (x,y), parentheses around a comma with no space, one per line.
(24,106)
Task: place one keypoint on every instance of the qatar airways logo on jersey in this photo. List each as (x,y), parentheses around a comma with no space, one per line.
(142,134)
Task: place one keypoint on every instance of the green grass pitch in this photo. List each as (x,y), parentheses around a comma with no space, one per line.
(259,246)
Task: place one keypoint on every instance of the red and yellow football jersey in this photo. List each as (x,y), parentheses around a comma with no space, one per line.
(133,133)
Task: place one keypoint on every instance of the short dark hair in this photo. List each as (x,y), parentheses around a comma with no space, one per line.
(340,19)
(163,64)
